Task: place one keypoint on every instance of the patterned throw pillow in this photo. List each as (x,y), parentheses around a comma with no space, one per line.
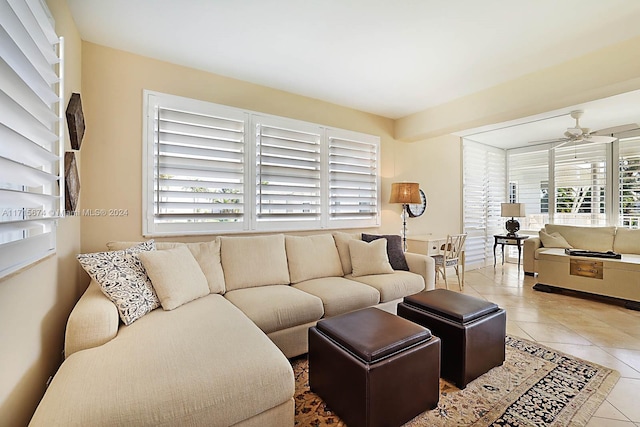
(123,280)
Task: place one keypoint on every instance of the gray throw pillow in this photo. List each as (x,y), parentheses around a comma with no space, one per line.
(395,251)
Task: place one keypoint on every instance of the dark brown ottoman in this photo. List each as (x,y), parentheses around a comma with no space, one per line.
(373,368)
(472,331)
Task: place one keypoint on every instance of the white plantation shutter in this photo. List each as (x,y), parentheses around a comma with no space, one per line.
(31,147)
(528,172)
(484,183)
(580,184)
(353,178)
(629,182)
(288,177)
(198,167)
(211,168)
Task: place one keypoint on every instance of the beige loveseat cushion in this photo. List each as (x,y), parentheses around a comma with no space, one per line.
(175,275)
(311,257)
(254,261)
(203,364)
(588,238)
(340,295)
(206,253)
(277,307)
(395,285)
(627,241)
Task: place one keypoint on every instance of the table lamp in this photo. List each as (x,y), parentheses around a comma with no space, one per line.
(513,210)
(407,193)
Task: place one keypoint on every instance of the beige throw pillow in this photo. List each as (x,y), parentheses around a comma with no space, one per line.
(312,257)
(369,258)
(553,240)
(176,276)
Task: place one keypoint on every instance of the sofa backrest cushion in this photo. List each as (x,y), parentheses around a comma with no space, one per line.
(206,253)
(627,241)
(175,275)
(248,262)
(312,257)
(342,243)
(587,238)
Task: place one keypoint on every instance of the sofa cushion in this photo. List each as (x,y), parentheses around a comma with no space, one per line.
(342,243)
(395,251)
(254,261)
(176,276)
(206,253)
(201,362)
(553,240)
(627,241)
(392,286)
(123,280)
(588,238)
(311,257)
(277,307)
(369,258)
(340,295)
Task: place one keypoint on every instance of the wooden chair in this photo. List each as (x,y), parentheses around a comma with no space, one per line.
(452,256)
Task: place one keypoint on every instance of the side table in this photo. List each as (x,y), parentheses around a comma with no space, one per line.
(500,239)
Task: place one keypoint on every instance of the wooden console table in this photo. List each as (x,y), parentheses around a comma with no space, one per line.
(500,239)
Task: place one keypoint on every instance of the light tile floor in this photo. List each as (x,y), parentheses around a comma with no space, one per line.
(603,333)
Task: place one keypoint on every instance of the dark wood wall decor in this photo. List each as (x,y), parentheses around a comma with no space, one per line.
(75,121)
(71,181)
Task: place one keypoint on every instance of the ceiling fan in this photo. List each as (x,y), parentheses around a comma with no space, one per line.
(579,134)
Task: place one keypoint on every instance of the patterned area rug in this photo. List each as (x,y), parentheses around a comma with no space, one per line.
(536,386)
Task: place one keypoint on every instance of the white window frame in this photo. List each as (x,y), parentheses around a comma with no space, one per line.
(250,221)
(32,129)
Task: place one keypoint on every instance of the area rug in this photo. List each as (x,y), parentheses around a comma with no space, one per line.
(536,386)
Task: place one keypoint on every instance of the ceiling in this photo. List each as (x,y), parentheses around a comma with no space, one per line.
(387,58)
(604,113)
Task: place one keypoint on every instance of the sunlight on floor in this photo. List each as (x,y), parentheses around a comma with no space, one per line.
(600,332)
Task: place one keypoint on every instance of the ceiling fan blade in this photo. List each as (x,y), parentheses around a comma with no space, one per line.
(600,139)
(562,143)
(617,129)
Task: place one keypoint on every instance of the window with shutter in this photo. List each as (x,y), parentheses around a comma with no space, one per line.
(580,184)
(211,168)
(31,147)
(484,184)
(197,156)
(528,172)
(288,177)
(353,178)
(629,182)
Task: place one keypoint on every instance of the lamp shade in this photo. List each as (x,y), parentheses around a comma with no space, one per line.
(513,210)
(405,193)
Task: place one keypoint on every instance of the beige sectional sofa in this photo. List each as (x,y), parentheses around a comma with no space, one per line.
(216,352)
(614,278)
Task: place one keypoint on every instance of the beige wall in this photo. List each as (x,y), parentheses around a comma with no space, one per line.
(606,72)
(436,164)
(112,87)
(35,303)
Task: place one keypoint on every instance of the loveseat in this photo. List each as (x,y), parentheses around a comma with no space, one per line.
(206,340)
(614,278)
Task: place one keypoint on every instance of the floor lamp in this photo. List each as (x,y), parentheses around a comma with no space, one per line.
(406,193)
